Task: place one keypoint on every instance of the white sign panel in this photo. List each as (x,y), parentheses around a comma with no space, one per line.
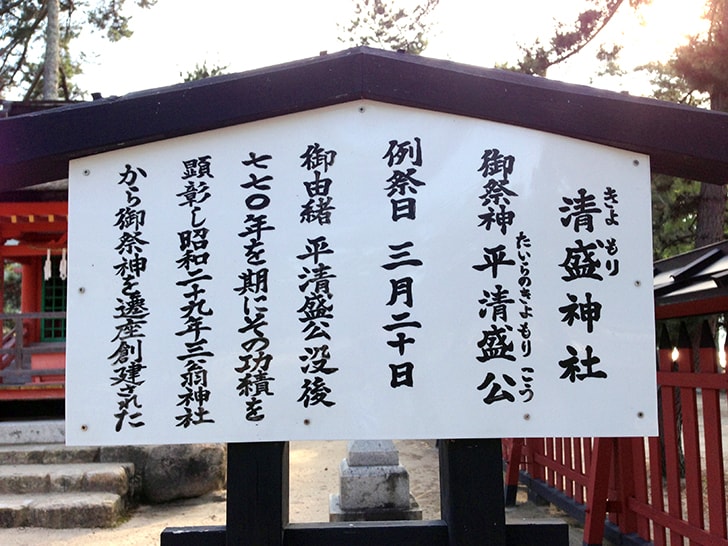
(359,271)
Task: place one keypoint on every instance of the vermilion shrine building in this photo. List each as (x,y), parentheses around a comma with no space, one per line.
(34,232)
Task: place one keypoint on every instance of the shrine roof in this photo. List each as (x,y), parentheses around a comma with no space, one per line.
(692,283)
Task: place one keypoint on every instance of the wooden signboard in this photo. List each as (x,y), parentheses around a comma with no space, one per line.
(360,270)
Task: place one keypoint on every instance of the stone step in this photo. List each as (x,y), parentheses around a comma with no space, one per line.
(57,478)
(47,454)
(33,432)
(62,510)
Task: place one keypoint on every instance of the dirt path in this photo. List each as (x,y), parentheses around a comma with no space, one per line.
(314,474)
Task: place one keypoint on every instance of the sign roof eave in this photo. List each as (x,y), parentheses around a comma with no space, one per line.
(681,141)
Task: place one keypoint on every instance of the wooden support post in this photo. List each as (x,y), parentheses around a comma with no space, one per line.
(513,465)
(257,501)
(626,484)
(471,492)
(597,491)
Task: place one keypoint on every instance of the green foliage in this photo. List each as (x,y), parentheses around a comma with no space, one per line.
(689,214)
(32,80)
(11,295)
(12,287)
(608,56)
(379,23)
(22,39)
(200,72)
(108,15)
(702,65)
(570,39)
(703,62)
(669,85)
(674,215)
(675,201)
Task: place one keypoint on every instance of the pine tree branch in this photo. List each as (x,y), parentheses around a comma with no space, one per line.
(610,13)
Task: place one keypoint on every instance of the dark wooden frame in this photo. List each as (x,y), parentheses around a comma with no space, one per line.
(471,493)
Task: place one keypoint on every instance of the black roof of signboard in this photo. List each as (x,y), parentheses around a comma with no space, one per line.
(682,141)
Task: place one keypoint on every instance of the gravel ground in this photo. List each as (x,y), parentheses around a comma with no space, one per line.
(314,468)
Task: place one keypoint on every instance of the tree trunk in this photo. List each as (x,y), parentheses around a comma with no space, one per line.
(711,207)
(52,52)
(711,214)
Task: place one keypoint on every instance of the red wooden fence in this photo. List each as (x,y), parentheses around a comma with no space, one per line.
(666,490)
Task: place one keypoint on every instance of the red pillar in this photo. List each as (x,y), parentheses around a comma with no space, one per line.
(30,296)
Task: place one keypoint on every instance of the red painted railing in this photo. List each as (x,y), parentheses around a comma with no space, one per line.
(8,349)
(30,371)
(666,490)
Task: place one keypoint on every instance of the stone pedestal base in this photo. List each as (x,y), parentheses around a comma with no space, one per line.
(373,485)
(336,514)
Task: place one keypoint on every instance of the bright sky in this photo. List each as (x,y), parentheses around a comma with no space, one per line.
(175,35)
